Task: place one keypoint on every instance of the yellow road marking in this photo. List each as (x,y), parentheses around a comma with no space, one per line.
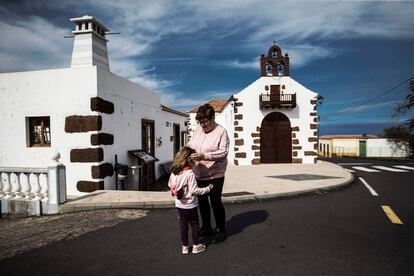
(391,215)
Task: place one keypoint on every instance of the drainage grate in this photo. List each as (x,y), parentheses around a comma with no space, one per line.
(236,194)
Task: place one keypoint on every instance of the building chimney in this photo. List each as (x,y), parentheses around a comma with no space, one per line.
(89,45)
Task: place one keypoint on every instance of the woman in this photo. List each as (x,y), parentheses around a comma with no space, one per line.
(211,143)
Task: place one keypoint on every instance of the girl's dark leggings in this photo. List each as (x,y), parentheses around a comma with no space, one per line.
(188,217)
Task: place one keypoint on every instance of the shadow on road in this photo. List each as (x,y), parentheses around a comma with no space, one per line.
(241,221)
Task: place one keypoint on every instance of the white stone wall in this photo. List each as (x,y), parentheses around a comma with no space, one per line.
(348,147)
(385,148)
(298,116)
(55,93)
(192,124)
(132,104)
(227,121)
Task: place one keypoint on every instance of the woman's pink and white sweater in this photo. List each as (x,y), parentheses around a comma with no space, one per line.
(215,146)
(186,180)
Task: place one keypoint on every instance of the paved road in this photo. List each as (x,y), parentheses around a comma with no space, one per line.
(393,182)
(342,232)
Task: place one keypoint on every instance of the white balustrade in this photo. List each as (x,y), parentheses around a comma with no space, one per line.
(7,185)
(44,185)
(24,183)
(36,187)
(1,186)
(266,97)
(16,186)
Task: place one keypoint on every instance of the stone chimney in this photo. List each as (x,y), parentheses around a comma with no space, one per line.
(89,45)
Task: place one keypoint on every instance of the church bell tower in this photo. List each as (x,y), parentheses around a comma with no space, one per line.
(275,64)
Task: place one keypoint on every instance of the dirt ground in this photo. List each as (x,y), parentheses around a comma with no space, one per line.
(24,234)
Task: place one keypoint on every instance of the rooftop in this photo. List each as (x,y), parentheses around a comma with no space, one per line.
(218,106)
(352,136)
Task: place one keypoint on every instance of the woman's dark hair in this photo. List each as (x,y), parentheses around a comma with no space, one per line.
(205,111)
(181,159)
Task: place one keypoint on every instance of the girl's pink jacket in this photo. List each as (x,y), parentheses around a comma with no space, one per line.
(186,180)
(215,146)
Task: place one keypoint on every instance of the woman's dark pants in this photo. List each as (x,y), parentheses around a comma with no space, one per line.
(188,217)
(216,204)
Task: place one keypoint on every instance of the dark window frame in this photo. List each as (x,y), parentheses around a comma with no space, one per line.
(44,126)
(144,138)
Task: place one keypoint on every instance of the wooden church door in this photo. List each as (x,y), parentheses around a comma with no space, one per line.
(276,139)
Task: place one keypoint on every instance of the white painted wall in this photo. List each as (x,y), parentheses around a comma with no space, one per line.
(253,115)
(56,93)
(375,147)
(348,147)
(60,93)
(385,148)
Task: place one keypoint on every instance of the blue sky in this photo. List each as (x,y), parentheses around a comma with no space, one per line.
(193,51)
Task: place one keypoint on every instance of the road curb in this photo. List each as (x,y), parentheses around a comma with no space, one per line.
(70,208)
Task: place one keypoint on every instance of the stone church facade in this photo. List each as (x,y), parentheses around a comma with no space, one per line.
(273,120)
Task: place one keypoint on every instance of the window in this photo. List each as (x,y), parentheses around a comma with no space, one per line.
(39,131)
(147,136)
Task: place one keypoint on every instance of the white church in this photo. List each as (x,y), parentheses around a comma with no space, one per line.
(273,120)
(87,114)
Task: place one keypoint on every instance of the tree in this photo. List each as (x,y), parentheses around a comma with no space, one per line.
(408,102)
(401,135)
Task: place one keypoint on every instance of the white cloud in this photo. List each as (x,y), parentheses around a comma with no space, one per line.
(363,108)
(253,64)
(33,43)
(143,24)
(179,101)
(362,122)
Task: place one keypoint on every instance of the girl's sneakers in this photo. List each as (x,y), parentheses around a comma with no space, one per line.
(184,249)
(198,248)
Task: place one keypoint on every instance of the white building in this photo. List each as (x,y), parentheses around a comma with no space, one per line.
(273,120)
(360,145)
(86,113)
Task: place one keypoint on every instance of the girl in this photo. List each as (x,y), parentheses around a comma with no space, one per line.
(183,187)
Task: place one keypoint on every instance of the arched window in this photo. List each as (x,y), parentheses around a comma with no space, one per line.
(280,69)
(268,69)
(274,54)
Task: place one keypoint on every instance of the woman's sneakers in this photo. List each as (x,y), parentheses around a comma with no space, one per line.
(219,237)
(198,248)
(184,249)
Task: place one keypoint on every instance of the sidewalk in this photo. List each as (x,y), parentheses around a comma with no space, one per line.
(242,183)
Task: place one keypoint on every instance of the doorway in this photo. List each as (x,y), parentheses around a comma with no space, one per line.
(176,133)
(276,139)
